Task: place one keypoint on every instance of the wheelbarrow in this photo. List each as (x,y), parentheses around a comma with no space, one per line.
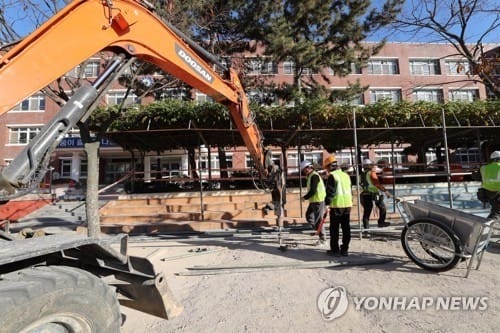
(437,238)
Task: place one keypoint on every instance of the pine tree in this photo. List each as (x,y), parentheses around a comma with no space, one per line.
(315,35)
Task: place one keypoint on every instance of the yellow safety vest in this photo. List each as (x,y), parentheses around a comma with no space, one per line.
(490,175)
(320,194)
(370,188)
(343,193)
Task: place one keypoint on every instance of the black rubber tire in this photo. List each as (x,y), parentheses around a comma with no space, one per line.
(57,299)
(416,239)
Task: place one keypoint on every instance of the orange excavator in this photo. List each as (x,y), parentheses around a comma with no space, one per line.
(55,281)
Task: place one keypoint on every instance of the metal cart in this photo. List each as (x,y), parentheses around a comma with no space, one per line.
(436,238)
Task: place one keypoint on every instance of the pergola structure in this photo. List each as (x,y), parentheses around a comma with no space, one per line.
(330,139)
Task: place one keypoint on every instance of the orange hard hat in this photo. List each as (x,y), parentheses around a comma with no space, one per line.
(329,160)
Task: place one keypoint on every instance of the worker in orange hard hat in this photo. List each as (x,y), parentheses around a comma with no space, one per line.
(339,200)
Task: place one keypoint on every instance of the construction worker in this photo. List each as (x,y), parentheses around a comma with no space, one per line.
(490,181)
(372,193)
(339,199)
(316,197)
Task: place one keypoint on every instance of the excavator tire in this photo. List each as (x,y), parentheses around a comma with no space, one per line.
(57,299)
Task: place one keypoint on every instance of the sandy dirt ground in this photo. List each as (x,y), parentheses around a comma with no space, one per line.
(278,291)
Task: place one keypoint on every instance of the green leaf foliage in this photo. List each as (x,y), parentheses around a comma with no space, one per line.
(311,114)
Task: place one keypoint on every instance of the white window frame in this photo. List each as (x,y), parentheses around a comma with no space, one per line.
(91,69)
(258,66)
(64,163)
(457,67)
(463,94)
(115,97)
(428,95)
(34,103)
(260,97)
(392,94)
(355,69)
(25,133)
(200,97)
(288,67)
(175,93)
(386,154)
(383,67)
(355,101)
(424,67)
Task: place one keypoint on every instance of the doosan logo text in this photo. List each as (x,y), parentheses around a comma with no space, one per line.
(193,64)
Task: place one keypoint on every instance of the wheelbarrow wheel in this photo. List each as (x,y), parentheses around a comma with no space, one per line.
(431,245)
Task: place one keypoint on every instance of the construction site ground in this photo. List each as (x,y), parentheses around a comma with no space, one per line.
(243,282)
(240,281)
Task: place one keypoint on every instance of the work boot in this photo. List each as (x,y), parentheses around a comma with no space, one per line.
(333,253)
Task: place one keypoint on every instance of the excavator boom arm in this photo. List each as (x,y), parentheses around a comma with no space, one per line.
(86,27)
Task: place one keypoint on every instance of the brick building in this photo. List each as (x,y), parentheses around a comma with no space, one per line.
(401,71)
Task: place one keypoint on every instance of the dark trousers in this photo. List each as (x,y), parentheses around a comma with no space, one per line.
(494,200)
(314,214)
(367,200)
(340,217)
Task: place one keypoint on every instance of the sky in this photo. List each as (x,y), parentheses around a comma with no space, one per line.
(475,28)
(25,25)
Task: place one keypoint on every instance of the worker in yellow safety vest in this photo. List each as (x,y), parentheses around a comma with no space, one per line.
(316,197)
(373,193)
(339,200)
(490,179)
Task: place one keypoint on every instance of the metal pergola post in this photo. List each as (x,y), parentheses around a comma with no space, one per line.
(447,155)
(357,172)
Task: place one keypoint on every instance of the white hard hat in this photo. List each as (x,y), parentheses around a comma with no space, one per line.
(495,155)
(304,164)
(367,161)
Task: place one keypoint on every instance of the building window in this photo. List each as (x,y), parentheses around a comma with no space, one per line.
(174,93)
(166,166)
(35,103)
(463,95)
(345,157)
(91,70)
(377,95)
(315,158)
(425,67)
(383,66)
(83,169)
(275,157)
(428,95)
(117,97)
(257,66)
(22,135)
(387,155)
(65,168)
(307,71)
(288,67)
(352,100)
(202,98)
(355,68)
(468,157)
(263,98)
(457,67)
(249,163)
